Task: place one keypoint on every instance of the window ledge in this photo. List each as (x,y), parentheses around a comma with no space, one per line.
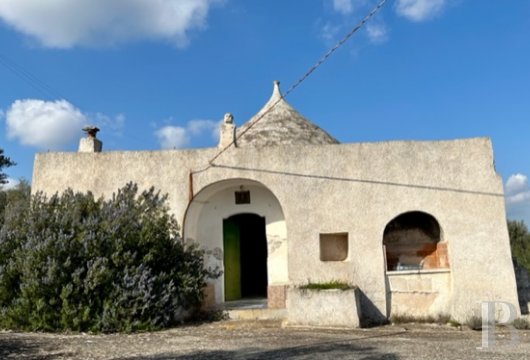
(419,272)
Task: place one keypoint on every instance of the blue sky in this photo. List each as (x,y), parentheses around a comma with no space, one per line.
(162,73)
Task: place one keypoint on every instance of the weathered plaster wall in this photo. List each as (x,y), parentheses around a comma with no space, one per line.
(354,188)
(334,308)
(103,173)
(419,293)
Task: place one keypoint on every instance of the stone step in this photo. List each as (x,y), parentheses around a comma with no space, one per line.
(257,314)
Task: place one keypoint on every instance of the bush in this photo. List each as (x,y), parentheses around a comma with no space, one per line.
(73,262)
(5,162)
(440,319)
(474,322)
(521,324)
(15,200)
(520,243)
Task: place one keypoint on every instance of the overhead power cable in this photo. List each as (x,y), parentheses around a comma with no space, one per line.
(29,78)
(297,83)
(41,86)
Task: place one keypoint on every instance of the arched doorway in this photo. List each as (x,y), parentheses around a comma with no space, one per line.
(417,266)
(250,208)
(245,257)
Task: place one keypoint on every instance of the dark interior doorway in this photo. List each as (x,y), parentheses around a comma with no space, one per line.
(245,257)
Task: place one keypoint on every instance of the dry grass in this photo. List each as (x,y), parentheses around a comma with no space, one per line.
(441,319)
(521,324)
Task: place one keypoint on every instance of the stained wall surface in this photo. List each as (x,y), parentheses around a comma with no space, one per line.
(337,188)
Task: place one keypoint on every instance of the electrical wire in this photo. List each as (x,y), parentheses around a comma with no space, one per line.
(47,90)
(41,86)
(25,75)
(297,83)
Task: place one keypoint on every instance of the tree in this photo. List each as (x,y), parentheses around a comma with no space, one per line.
(75,262)
(14,200)
(520,243)
(5,162)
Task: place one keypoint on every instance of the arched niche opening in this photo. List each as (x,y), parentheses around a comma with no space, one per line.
(413,241)
(231,219)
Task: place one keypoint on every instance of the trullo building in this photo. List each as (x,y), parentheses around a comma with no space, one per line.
(418,226)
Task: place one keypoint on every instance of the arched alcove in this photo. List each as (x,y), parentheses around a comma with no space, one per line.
(418,277)
(413,241)
(232,208)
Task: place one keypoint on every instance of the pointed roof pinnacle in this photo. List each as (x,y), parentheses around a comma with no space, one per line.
(278,123)
(276,93)
(276,99)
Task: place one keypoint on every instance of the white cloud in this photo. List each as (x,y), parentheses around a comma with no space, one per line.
(329,32)
(44,124)
(343,6)
(517,192)
(11,184)
(114,124)
(517,189)
(170,137)
(419,10)
(348,7)
(53,124)
(376,29)
(377,32)
(197,127)
(68,23)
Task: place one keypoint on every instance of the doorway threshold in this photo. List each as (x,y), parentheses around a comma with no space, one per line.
(243,304)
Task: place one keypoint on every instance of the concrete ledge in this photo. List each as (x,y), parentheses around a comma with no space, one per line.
(257,314)
(323,308)
(417,272)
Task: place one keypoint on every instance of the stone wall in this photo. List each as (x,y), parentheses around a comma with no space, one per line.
(345,188)
(333,308)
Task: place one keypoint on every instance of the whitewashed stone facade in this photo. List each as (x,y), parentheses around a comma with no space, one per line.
(314,193)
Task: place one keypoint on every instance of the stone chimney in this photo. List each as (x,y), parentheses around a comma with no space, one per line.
(90,143)
(227,133)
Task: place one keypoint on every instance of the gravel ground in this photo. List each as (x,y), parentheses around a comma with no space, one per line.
(265,340)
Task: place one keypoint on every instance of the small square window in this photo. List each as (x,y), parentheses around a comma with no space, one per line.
(333,247)
(242,197)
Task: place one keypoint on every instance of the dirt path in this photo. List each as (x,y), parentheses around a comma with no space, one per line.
(249,340)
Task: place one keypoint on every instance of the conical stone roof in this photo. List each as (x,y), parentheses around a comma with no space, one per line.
(281,125)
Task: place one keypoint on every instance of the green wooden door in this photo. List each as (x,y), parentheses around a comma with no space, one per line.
(232,260)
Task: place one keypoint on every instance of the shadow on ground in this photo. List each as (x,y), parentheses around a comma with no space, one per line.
(322,351)
(14,348)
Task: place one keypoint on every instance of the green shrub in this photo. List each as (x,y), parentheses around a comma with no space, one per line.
(5,162)
(14,200)
(520,243)
(474,322)
(73,262)
(521,324)
(333,284)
